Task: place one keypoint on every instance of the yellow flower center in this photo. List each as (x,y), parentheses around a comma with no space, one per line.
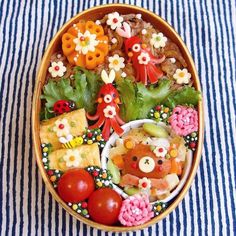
(181,74)
(115,62)
(72,158)
(84,42)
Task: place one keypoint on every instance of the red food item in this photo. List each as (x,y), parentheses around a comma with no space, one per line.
(141,56)
(104,206)
(156,167)
(192,145)
(62,106)
(107,114)
(75,185)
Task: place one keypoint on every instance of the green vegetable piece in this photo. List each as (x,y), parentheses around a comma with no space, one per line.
(138,100)
(155,130)
(82,90)
(131,190)
(186,95)
(114,171)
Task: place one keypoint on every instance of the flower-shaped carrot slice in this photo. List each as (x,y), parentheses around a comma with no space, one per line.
(85,44)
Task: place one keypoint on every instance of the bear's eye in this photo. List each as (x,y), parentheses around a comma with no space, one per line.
(160,162)
(134,158)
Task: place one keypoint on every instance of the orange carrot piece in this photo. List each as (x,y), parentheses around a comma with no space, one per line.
(129,143)
(118,161)
(103,46)
(176,167)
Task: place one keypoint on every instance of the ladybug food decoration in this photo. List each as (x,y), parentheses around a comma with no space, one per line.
(107,110)
(143,60)
(62,106)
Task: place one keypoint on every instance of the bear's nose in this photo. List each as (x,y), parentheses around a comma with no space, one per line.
(146,164)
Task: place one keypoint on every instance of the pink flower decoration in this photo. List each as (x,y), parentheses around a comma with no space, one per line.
(184,120)
(135,210)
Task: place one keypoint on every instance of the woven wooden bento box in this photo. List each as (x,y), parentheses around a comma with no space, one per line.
(163,26)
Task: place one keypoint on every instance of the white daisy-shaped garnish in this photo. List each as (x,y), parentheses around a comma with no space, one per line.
(85,42)
(57,69)
(182,76)
(116,62)
(72,158)
(109,112)
(144,183)
(144,58)
(62,127)
(114,20)
(160,151)
(158,40)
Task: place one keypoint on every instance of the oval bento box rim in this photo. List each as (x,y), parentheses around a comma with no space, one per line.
(36,122)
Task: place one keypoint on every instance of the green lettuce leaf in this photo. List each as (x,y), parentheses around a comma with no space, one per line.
(137,100)
(187,95)
(82,90)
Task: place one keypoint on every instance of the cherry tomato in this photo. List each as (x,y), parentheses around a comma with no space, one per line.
(75,185)
(104,206)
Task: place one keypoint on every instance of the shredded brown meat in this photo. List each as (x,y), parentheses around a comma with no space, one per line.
(171,50)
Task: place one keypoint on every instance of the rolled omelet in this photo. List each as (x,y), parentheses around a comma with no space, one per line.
(80,157)
(76,123)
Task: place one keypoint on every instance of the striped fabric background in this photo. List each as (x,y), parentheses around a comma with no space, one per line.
(209,29)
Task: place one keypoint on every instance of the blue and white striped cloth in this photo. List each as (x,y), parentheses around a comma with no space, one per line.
(209,29)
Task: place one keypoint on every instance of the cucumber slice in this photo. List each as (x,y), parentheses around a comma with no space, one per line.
(131,190)
(155,130)
(114,171)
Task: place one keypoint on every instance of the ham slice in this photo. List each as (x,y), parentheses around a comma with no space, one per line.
(159,184)
(129,179)
(132,180)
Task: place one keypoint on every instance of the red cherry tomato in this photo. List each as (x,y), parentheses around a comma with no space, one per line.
(75,185)
(104,206)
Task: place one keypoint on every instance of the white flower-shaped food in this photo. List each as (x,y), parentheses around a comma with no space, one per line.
(114,20)
(109,112)
(62,127)
(116,62)
(158,40)
(160,151)
(182,76)
(72,158)
(144,183)
(85,42)
(57,69)
(144,58)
